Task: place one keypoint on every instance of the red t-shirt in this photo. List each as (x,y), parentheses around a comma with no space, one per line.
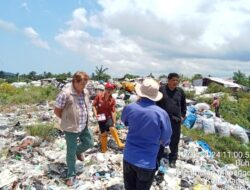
(104,107)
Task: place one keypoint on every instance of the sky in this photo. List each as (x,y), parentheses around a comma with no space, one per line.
(126,36)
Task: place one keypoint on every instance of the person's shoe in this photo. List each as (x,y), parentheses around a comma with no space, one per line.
(80,157)
(70,181)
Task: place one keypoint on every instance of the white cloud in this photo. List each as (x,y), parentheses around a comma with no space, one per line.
(162,36)
(79,19)
(35,38)
(7,26)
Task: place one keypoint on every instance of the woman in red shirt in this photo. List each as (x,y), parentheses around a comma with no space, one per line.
(104,110)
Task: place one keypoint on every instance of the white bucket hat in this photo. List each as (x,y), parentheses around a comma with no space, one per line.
(149,89)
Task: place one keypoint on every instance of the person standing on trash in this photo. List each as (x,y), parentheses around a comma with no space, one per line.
(174,103)
(105,113)
(148,127)
(216,105)
(72,105)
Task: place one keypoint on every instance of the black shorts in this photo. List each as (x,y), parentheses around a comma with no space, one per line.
(105,125)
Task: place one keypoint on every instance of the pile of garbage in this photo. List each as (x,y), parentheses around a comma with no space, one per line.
(200,117)
(28,162)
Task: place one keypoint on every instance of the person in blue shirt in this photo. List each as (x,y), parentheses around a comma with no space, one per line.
(148,127)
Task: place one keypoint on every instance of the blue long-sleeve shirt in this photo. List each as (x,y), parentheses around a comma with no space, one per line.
(148,127)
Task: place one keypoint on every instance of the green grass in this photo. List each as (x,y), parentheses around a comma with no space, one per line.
(226,149)
(45,132)
(10,95)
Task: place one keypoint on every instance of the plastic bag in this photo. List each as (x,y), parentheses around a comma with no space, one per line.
(222,128)
(238,131)
(208,125)
(198,123)
(189,120)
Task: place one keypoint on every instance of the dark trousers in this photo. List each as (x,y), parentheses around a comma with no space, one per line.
(175,138)
(217,112)
(136,178)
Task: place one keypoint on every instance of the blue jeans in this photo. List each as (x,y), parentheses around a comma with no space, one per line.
(136,178)
(86,142)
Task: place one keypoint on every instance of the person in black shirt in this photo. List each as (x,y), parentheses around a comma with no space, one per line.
(174,103)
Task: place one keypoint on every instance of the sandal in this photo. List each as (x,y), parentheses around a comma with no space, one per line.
(70,181)
(80,157)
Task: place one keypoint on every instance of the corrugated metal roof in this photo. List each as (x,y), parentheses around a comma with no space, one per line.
(224,82)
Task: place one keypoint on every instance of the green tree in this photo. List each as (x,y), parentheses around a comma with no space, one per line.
(163,76)
(32,75)
(100,74)
(240,78)
(130,76)
(214,88)
(197,76)
(151,75)
(1,74)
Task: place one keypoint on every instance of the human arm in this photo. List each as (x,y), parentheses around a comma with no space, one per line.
(60,103)
(94,107)
(58,112)
(113,112)
(94,111)
(183,105)
(166,130)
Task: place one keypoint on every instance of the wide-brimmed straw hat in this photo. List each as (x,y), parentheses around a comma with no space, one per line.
(149,89)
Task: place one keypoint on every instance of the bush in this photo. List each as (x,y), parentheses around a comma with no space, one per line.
(190,94)
(236,112)
(6,88)
(26,95)
(214,87)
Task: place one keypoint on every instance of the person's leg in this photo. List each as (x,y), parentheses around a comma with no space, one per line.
(217,113)
(86,141)
(71,142)
(104,142)
(115,135)
(129,176)
(103,136)
(145,178)
(109,127)
(175,138)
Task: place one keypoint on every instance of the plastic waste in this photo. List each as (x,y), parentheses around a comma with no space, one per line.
(208,125)
(163,165)
(202,106)
(189,120)
(205,147)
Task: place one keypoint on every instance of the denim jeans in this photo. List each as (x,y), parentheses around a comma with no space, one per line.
(136,178)
(86,142)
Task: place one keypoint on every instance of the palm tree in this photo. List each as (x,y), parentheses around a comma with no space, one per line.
(100,74)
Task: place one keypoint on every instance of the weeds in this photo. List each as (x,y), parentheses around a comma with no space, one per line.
(45,132)
(10,95)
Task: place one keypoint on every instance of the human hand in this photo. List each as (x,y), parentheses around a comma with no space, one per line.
(167,150)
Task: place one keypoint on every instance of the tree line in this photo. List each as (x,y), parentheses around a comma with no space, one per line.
(100,73)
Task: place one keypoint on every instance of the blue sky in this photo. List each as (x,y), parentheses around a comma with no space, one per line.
(126,36)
